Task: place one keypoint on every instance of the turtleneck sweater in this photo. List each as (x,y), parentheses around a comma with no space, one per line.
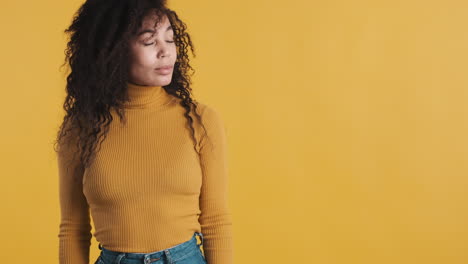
(147,188)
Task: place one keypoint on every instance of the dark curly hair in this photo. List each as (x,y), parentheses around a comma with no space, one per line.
(98,53)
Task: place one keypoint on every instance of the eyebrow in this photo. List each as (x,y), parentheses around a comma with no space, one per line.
(152,31)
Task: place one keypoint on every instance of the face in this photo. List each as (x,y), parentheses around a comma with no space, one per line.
(150,50)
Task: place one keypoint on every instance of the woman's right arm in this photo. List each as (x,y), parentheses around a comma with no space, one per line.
(75,228)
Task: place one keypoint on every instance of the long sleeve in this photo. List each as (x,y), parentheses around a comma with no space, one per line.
(75,228)
(215,218)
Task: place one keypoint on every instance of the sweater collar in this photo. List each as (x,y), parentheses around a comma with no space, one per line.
(146,96)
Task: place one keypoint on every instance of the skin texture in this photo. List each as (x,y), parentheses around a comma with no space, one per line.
(161,51)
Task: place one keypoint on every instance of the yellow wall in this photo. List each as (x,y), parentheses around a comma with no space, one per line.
(347,123)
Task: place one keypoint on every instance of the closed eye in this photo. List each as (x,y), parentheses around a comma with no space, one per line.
(154,42)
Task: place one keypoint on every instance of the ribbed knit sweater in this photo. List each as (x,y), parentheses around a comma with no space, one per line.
(148,189)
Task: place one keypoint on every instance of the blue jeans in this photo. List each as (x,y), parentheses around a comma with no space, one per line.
(188,252)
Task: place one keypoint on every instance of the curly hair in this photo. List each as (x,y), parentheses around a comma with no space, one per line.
(98,54)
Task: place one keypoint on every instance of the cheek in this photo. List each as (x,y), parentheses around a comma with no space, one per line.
(175,53)
(144,57)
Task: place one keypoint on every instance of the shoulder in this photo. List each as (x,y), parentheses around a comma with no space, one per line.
(214,131)
(210,115)
(203,109)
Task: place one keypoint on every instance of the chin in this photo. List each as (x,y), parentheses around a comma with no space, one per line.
(165,82)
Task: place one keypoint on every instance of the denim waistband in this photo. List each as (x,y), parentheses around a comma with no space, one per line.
(173,254)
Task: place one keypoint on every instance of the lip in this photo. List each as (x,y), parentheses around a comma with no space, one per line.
(164,69)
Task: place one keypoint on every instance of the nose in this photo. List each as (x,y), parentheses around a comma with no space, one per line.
(163,54)
(163,51)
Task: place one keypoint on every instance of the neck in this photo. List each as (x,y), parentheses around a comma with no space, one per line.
(146,96)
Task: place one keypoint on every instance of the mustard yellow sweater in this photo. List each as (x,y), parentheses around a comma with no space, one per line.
(148,189)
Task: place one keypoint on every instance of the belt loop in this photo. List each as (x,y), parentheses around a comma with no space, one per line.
(119,258)
(169,256)
(100,246)
(200,234)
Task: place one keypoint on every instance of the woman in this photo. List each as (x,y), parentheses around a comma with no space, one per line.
(135,152)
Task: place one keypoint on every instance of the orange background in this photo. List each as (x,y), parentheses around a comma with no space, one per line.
(347,126)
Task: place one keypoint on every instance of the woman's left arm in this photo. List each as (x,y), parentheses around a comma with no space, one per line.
(215,218)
